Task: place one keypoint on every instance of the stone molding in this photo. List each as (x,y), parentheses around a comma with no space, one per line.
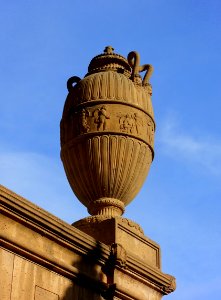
(17,212)
(44,222)
(91,220)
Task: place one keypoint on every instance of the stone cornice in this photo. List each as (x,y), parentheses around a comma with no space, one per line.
(162,282)
(24,211)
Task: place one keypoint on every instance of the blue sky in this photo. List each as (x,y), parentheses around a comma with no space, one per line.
(43,43)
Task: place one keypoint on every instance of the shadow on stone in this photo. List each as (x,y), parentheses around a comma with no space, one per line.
(89,282)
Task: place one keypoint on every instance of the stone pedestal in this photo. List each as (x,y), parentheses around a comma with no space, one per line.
(124,232)
(134,265)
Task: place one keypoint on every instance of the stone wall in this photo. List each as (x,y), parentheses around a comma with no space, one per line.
(44,258)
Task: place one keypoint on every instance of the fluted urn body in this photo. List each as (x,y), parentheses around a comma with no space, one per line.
(107,132)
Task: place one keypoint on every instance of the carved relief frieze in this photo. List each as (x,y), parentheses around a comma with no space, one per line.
(111,118)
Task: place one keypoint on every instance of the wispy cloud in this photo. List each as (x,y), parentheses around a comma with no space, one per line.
(197,149)
(40,179)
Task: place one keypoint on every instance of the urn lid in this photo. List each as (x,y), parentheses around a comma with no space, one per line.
(109,61)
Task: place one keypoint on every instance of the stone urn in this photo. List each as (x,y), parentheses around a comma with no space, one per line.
(107,132)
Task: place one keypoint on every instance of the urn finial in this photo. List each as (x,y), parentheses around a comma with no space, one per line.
(109,50)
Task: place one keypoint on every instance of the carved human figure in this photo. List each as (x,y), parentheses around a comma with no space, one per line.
(84,127)
(101,117)
(136,122)
(126,124)
(130,123)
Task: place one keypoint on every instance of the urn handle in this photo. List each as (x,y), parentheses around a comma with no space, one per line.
(134,61)
(73,79)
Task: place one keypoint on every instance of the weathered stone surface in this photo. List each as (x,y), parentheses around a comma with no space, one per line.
(6,271)
(41,293)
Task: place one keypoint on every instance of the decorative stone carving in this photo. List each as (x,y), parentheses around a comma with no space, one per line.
(134,61)
(118,255)
(107,131)
(98,219)
(84,127)
(171,286)
(133,225)
(100,118)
